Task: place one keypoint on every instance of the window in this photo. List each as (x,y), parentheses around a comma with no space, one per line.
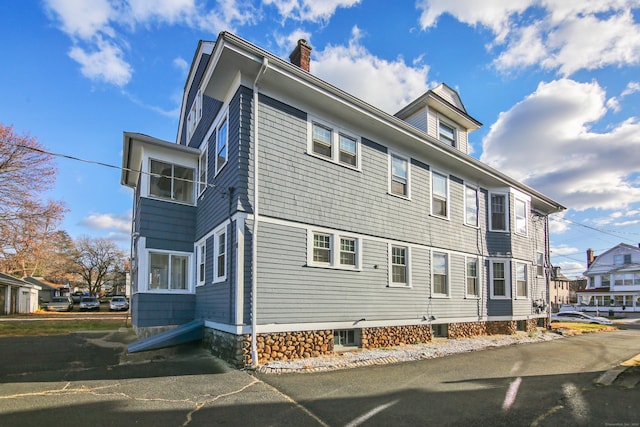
(399,176)
(622,259)
(499,279)
(171,182)
(347,150)
(194,116)
(202,172)
(439,195)
(521,216)
(168,271)
(471,206)
(333,251)
(222,145)
(499,212)
(325,138)
(447,133)
(348,251)
(322,248)
(202,260)
(321,140)
(344,338)
(472,277)
(399,265)
(220,243)
(440,273)
(521,280)
(606,281)
(539,264)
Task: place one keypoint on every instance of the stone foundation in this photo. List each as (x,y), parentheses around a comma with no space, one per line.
(236,349)
(293,345)
(394,335)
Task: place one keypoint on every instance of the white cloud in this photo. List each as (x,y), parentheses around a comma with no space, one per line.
(181,64)
(557,225)
(309,10)
(571,269)
(561,35)
(354,69)
(117,223)
(545,140)
(563,250)
(80,18)
(286,43)
(105,64)
(100,25)
(632,87)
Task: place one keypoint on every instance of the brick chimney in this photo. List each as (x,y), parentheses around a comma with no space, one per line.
(301,55)
(590,257)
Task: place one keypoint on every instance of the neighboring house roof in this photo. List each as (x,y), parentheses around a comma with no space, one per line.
(45,285)
(601,265)
(8,280)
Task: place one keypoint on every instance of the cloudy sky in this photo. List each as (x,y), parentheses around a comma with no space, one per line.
(556,84)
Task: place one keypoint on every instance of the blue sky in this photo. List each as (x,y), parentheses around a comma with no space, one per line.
(555,83)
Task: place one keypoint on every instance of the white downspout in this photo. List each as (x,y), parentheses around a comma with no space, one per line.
(254,237)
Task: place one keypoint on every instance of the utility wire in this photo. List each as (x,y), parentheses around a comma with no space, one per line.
(107,165)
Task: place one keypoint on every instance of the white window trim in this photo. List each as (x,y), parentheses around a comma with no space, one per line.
(448,273)
(391,284)
(478,278)
(526,277)
(216,253)
(447,200)
(507,278)
(224,119)
(526,216)
(456,132)
(334,248)
(145,269)
(201,252)
(194,116)
(203,162)
(390,155)
(336,131)
(506,211)
(477,191)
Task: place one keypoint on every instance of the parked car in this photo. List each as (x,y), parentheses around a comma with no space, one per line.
(118,303)
(577,316)
(59,304)
(77,296)
(89,303)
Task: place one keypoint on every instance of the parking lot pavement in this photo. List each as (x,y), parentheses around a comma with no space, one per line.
(84,379)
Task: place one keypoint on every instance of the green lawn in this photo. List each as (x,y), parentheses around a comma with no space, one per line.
(53,327)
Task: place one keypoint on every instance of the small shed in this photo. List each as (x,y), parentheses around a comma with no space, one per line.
(17,296)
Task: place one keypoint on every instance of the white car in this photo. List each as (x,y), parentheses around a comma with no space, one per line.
(576,316)
(118,303)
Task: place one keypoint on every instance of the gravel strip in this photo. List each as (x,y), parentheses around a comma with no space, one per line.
(439,347)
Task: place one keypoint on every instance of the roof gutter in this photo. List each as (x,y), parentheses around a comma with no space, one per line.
(254,239)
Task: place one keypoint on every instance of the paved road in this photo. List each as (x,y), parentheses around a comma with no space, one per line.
(88,379)
(544,384)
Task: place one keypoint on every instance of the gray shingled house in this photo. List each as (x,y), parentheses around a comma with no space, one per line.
(351,227)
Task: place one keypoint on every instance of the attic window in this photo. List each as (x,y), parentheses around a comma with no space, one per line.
(622,259)
(447,133)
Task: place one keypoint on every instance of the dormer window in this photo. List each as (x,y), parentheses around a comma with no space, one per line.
(447,133)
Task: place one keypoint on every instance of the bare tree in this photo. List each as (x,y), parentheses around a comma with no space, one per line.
(26,221)
(95,260)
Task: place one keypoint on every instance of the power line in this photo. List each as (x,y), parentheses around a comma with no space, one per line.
(107,165)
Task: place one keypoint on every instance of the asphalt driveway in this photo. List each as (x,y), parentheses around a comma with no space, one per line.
(85,379)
